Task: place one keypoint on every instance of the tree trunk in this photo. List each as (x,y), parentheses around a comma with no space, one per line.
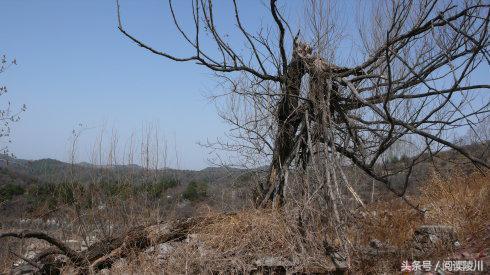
(288,121)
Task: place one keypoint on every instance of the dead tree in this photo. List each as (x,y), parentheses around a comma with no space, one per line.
(293,102)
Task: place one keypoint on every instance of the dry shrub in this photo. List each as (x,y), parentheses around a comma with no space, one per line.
(256,232)
(237,241)
(462,201)
(390,222)
(459,200)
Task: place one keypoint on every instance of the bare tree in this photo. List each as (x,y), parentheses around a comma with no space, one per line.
(7,115)
(292,103)
(291,98)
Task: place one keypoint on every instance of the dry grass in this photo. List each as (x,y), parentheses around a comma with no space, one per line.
(390,222)
(460,201)
(235,242)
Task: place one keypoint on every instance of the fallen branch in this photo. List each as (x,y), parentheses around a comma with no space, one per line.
(104,253)
(27,260)
(74,256)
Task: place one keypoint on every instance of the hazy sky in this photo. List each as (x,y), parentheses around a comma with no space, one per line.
(74,67)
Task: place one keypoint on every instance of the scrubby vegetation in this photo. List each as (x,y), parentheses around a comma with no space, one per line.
(213,211)
(9,190)
(246,238)
(234,242)
(195,191)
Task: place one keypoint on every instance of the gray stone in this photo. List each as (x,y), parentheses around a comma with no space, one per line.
(161,250)
(105,271)
(270,261)
(428,238)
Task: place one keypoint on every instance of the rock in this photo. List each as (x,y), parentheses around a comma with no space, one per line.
(270,261)
(281,265)
(22,269)
(378,249)
(427,239)
(160,250)
(339,260)
(104,271)
(375,244)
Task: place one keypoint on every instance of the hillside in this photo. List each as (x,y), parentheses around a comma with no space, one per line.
(107,201)
(224,185)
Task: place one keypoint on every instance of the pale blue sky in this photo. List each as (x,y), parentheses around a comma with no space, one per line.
(75,67)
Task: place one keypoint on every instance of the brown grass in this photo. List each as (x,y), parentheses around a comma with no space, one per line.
(236,241)
(461,201)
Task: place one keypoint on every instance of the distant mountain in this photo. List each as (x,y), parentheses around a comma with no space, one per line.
(7,160)
(52,170)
